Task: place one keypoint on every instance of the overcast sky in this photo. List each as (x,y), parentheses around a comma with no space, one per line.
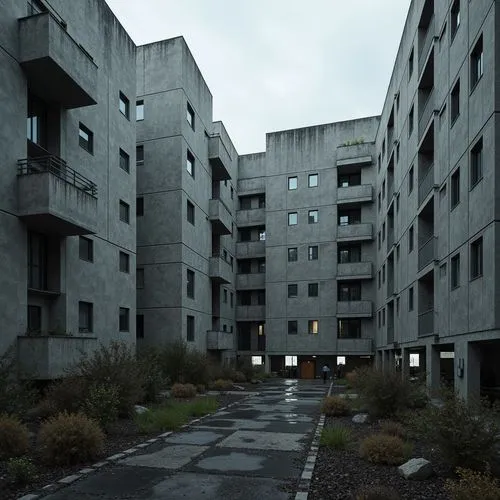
(279,64)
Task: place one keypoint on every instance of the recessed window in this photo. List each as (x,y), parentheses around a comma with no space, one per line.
(455,271)
(34,319)
(411,120)
(139,277)
(86,249)
(348,254)
(86,138)
(349,291)
(190,328)
(224,296)
(379,162)
(312,253)
(476,63)
(292,291)
(292,183)
(262,201)
(124,161)
(410,64)
(312,289)
(476,163)
(190,284)
(190,115)
(455,18)
(383,189)
(383,273)
(313,180)
(411,179)
(313,327)
(85,317)
(124,321)
(139,206)
(190,212)
(379,275)
(139,110)
(190,163)
(262,235)
(139,326)
(349,328)
(139,155)
(455,103)
(410,299)
(124,262)
(124,105)
(476,258)
(383,148)
(379,202)
(292,328)
(455,188)
(231,300)
(124,212)
(383,316)
(292,219)
(312,217)
(232,193)
(292,254)
(410,239)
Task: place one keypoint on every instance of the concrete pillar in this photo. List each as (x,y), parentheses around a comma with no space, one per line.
(405,362)
(267,363)
(379,360)
(387,360)
(433,368)
(467,366)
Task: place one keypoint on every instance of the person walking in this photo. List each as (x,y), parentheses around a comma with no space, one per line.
(325,371)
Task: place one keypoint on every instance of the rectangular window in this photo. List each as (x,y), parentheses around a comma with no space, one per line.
(292,254)
(410,240)
(312,289)
(124,161)
(312,253)
(346,180)
(139,155)
(139,206)
(190,212)
(37,261)
(292,218)
(411,120)
(124,212)
(245,298)
(410,64)
(224,296)
(232,193)
(262,201)
(410,299)
(85,317)
(351,253)
(292,183)
(383,316)
(190,163)
(261,297)
(313,327)
(262,235)
(124,262)
(245,203)
(411,179)
(455,18)
(379,319)
(455,271)
(139,275)
(476,258)
(245,235)
(190,115)
(383,231)
(139,110)
(383,189)
(379,279)
(190,284)
(124,105)
(476,163)
(124,322)
(86,138)
(383,148)
(379,162)
(292,328)
(34,319)
(231,300)
(261,263)
(455,103)
(139,326)
(383,273)
(455,188)
(347,217)
(292,291)
(476,63)
(313,217)
(379,202)
(313,180)
(190,328)
(349,328)
(86,249)
(348,292)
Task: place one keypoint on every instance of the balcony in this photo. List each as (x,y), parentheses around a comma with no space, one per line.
(354,309)
(427,252)
(355,232)
(255,281)
(354,271)
(426,185)
(58,68)
(256,216)
(50,357)
(220,217)
(356,154)
(219,159)
(390,287)
(355,194)
(219,341)
(54,198)
(219,270)
(354,346)
(428,110)
(250,313)
(426,323)
(426,45)
(255,185)
(390,239)
(390,334)
(248,249)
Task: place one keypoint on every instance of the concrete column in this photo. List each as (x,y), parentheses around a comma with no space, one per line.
(267,363)
(387,361)
(405,362)
(467,370)
(379,360)
(433,368)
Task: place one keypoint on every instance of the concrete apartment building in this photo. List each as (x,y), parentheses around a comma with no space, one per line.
(67,189)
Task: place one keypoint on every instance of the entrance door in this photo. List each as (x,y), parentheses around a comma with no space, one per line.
(307,369)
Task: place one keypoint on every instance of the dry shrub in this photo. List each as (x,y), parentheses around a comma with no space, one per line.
(392,428)
(334,406)
(70,438)
(21,471)
(14,437)
(239,377)
(102,404)
(472,484)
(222,385)
(183,391)
(383,449)
(66,395)
(377,493)
(201,389)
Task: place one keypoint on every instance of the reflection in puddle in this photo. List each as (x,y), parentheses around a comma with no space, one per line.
(288,400)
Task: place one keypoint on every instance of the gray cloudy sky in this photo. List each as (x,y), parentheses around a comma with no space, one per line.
(279,64)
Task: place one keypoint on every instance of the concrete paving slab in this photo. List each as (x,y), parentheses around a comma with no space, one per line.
(234,423)
(285,417)
(169,457)
(263,441)
(195,437)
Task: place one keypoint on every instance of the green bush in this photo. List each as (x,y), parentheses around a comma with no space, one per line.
(154,381)
(335,406)
(182,391)
(377,493)
(14,437)
(335,437)
(384,449)
(102,404)
(70,438)
(222,385)
(68,395)
(392,428)
(202,406)
(472,484)
(21,471)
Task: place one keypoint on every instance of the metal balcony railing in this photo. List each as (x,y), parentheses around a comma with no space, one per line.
(427,252)
(59,168)
(425,186)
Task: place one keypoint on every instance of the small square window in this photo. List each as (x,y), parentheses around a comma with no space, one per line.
(312,289)
(476,63)
(124,212)
(313,327)
(124,161)
(85,317)
(455,188)
(139,155)
(292,328)
(313,217)
(124,319)
(476,163)
(455,271)
(312,253)
(124,105)
(190,115)
(86,249)
(292,291)
(313,180)
(190,284)
(139,278)
(292,254)
(190,212)
(190,163)
(124,262)
(476,258)
(410,299)
(292,218)
(86,138)
(139,110)
(139,206)
(292,183)
(139,326)
(190,328)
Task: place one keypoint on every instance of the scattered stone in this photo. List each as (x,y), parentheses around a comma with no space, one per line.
(69,479)
(416,468)
(361,418)
(140,409)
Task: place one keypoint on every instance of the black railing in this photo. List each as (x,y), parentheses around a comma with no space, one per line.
(58,167)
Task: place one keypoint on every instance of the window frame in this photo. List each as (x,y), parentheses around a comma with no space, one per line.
(190,116)
(86,143)
(292,327)
(476,258)
(313,289)
(124,262)
(190,284)
(313,252)
(190,163)
(313,327)
(455,188)
(124,162)
(455,271)
(139,148)
(139,278)
(89,250)
(190,212)
(313,216)
(139,105)
(290,183)
(190,328)
(90,316)
(125,101)
(291,253)
(476,63)
(311,177)
(476,163)
(125,328)
(293,291)
(291,217)
(455,103)
(124,217)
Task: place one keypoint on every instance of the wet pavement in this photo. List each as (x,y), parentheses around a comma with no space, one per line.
(255,449)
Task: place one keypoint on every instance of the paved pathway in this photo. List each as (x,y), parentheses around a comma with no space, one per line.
(253,450)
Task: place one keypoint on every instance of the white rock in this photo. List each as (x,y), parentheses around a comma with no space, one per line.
(416,468)
(140,409)
(361,418)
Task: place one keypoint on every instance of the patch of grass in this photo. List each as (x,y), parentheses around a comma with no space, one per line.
(200,407)
(337,437)
(340,381)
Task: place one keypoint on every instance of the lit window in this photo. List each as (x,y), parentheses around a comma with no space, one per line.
(313,325)
(292,219)
(313,217)
(292,183)
(190,163)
